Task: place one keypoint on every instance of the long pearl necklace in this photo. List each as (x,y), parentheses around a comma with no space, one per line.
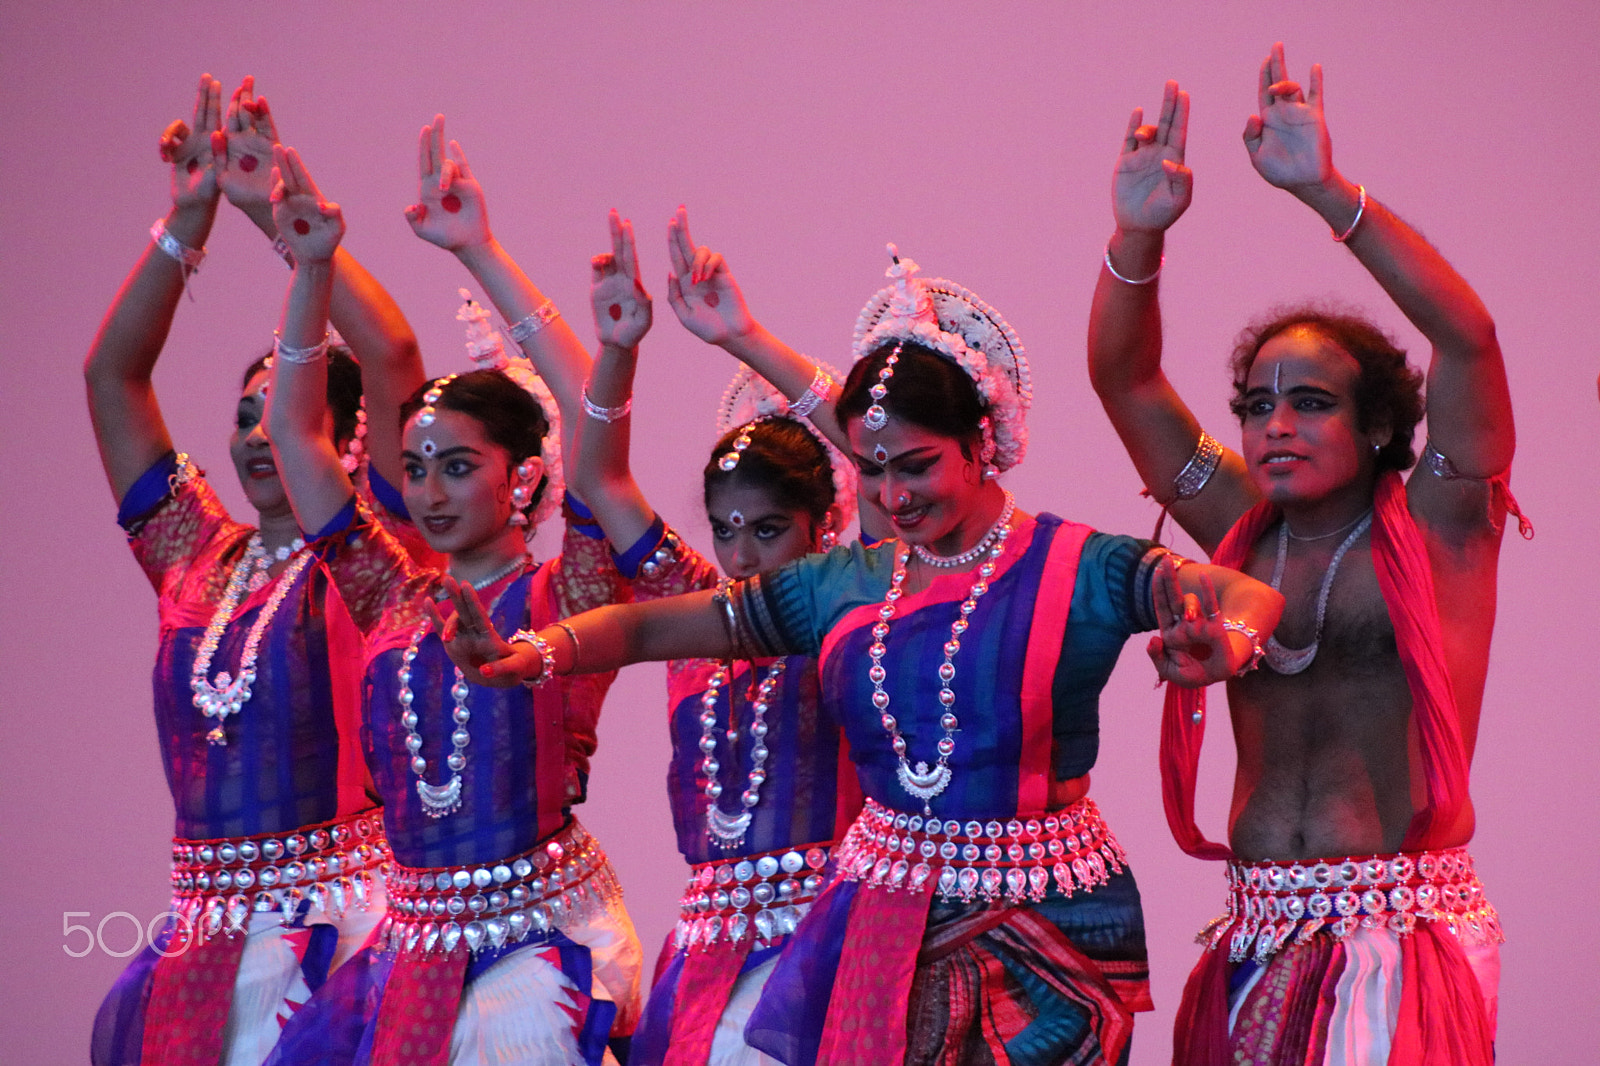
(966,558)
(1295,660)
(440,800)
(926,782)
(228,694)
(727,831)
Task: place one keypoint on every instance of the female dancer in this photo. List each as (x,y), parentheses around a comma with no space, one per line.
(983,909)
(755,771)
(506,939)
(276,836)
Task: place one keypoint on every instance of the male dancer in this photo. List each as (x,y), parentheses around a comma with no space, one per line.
(1355,922)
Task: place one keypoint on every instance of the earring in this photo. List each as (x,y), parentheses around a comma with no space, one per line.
(521,495)
(830,537)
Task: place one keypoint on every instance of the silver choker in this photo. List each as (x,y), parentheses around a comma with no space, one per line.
(966,558)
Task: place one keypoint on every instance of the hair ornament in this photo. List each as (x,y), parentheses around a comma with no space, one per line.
(955,322)
(751,399)
(488,352)
(356,450)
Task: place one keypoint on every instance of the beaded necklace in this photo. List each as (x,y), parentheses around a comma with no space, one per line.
(727,831)
(926,782)
(228,694)
(440,800)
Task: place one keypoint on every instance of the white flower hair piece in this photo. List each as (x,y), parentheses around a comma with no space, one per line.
(488,352)
(751,398)
(954,321)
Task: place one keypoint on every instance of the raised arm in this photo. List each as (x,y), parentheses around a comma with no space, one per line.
(122,401)
(297,405)
(361,309)
(450,212)
(1150,190)
(601,476)
(708,302)
(1469,403)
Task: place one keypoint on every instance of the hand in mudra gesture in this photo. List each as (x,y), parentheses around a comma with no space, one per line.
(1288,139)
(308,224)
(244,166)
(189,148)
(470,639)
(622,309)
(1191,648)
(701,289)
(450,210)
(1151,188)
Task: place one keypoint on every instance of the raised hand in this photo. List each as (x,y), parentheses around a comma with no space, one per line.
(244,155)
(701,289)
(1151,187)
(1288,140)
(188,147)
(1192,647)
(622,311)
(309,225)
(450,210)
(472,642)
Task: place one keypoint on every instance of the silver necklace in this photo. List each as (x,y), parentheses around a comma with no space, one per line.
(227,694)
(1324,536)
(967,557)
(724,830)
(925,782)
(1295,660)
(440,800)
(514,565)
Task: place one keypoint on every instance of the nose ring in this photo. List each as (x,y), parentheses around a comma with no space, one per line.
(903,499)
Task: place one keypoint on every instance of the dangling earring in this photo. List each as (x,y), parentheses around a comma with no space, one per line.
(521,495)
(830,537)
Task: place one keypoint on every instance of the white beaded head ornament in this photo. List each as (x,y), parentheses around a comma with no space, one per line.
(751,399)
(952,320)
(487,352)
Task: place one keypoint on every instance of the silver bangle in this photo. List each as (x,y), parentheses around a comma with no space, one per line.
(605,414)
(285,253)
(572,634)
(819,389)
(1202,464)
(1134,281)
(547,658)
(1251,634)
(523,329)
(300,356)
(186,257)
(1361,209)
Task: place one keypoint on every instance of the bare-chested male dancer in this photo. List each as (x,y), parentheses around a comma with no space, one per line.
(1356,930)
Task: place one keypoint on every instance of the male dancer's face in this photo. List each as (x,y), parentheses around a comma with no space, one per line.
(1301,439)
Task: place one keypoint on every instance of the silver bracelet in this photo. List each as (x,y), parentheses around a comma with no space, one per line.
(572,634)
(188,258)
(1202,464)
(1254,637)
(605,414)
(300,356)
(536,320)
(1361,209)
(1134,281)
(285,253)
(547,658)
(815,393)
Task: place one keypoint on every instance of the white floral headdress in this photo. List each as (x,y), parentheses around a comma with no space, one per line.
(955,322)
(750,399)
(488,352)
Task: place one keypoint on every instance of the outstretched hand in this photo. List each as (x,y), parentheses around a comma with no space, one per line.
(1151,187)
(701,289)
(450,209)
(309,225)
(1192,647)
(188,146)
(1288,140)
(622,311)
(244,151)
(474,645)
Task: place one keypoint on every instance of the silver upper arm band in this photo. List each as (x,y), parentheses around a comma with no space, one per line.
(1202,464)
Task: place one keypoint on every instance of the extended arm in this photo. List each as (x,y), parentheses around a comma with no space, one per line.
(1469,404)
(122,402)
(707,300)
(360,308)
(1151,189)
(297,405)
(451,213)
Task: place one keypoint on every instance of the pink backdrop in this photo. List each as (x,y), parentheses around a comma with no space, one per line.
(978,137)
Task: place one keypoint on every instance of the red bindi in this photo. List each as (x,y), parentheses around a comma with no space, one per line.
(712,299)
(248,163)
(302,227)
(616,312)
(451,203)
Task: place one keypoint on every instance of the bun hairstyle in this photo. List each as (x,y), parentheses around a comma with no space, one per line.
(783,458)
(510,417)
(344,388)
(929,391)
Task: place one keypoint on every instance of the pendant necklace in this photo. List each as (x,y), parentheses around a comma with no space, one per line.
(440,800)
(727,831)
(925,782)
(1295,660)
(227,694)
